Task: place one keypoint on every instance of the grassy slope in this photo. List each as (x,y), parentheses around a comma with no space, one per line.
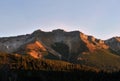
(28,63)
(102,59)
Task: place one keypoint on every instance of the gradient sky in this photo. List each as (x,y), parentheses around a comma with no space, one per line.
(100,18)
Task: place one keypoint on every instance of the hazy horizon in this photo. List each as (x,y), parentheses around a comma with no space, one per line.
(97,18)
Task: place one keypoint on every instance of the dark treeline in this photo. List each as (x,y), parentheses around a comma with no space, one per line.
(27,75)
(25,68)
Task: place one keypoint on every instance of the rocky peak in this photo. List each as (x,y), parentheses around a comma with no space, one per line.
(118,39)
(83,36)
(37,33)
(58,31)
(91,38)
(114,43)
(113,39)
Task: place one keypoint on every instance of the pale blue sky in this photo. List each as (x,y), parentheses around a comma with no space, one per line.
(100,18)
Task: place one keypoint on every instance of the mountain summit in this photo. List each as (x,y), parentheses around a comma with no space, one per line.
(73,46)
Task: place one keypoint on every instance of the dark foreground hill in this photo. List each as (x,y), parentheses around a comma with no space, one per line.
(26,68)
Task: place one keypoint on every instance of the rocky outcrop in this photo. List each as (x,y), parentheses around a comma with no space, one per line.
(114,44)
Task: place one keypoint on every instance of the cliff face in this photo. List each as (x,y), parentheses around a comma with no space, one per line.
(71,43)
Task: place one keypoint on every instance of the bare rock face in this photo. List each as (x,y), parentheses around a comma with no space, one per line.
(35,49)
(93,43)
(74,42)
(114,44)
(10,44)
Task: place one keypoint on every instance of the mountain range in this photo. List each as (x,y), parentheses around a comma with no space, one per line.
(73,47)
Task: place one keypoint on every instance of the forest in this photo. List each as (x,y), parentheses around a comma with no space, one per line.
(14,67)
